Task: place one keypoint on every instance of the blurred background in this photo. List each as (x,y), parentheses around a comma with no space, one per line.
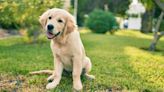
(18,16)
(125,32)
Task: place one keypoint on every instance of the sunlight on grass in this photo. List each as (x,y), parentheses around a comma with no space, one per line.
(133,33)
(148,65)
(84,30)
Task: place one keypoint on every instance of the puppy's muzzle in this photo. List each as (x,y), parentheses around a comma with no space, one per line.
(50,34)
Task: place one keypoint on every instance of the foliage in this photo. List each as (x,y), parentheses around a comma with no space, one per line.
(119,6)
(149,4)
(25,14)
(118,64)
(87,6)
(100,21)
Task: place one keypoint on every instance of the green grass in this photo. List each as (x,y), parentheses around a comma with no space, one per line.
(120,62)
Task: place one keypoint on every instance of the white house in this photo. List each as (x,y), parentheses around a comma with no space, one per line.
(135,10)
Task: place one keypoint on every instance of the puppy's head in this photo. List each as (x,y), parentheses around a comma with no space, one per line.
(57,22)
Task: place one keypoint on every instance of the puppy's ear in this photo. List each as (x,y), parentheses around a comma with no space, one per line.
(43,18)
(70,24)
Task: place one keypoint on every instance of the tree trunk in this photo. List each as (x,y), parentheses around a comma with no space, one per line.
(75,9)
(147,19)
(67,4)
(157,35)
(160,4)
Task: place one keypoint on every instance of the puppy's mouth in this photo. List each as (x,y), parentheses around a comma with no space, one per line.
(50,35)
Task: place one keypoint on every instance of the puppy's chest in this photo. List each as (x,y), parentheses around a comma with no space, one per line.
(65,55)
(62,51)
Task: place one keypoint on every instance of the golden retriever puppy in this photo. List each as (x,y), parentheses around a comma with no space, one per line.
(66,46)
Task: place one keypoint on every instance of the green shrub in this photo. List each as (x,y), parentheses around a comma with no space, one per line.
(100,21)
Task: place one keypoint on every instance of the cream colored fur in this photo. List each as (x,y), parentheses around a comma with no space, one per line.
(67,48)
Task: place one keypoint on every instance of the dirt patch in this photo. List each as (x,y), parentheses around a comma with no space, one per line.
(20,83)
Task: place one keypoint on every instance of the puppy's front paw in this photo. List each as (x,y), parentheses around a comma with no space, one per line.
(77,86)
(51,85)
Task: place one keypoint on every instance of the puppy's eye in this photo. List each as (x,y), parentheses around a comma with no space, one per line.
(49,17)
(60,21)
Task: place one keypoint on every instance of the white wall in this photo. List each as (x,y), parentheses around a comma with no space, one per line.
(134,23)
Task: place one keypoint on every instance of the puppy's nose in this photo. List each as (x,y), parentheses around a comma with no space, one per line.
(50,27)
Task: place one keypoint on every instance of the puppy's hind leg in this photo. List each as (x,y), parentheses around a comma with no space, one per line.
(87,66)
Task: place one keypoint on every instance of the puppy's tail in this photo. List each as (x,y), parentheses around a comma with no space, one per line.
(49,72)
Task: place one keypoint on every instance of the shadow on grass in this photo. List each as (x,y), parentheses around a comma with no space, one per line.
(147,49)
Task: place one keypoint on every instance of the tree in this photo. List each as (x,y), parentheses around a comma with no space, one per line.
(147,17)
(157,34)
(75,9)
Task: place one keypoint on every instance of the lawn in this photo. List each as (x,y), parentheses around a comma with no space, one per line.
(121,62)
